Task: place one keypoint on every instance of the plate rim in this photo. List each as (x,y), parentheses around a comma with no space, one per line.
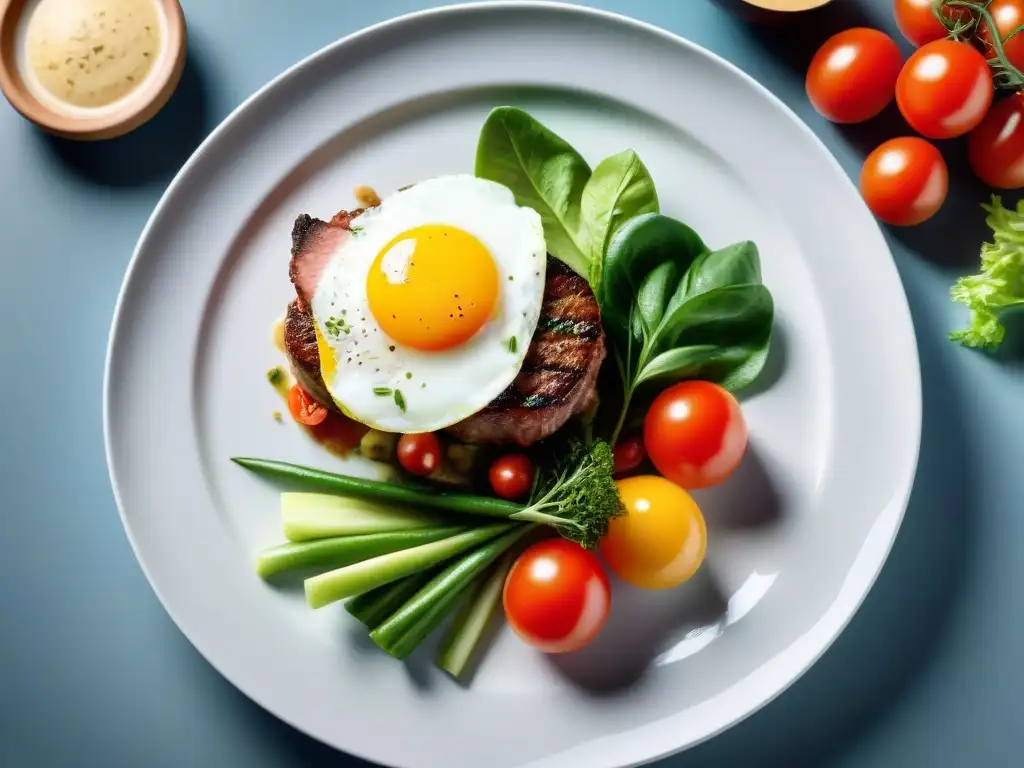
(901,495)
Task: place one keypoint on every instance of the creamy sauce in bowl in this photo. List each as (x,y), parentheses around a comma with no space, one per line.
(84,56)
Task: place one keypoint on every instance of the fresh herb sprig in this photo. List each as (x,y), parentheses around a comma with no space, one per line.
(336,326)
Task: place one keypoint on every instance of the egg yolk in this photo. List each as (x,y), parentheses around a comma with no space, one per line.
(432,287)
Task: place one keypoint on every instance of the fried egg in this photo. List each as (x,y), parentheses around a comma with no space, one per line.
(425,313)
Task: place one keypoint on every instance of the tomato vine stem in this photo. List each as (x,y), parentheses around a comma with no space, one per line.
(1006,74)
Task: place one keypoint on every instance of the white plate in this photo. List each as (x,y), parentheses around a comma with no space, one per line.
(797,537)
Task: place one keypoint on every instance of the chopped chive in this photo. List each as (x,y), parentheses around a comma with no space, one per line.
(399,400)
(513,345)
(408,374)
(382,391)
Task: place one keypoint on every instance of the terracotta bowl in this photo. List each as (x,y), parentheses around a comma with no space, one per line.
(141,105)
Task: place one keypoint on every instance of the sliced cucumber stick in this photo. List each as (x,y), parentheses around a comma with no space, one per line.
(369,574)
(345,550)
(471,622)
(320,516)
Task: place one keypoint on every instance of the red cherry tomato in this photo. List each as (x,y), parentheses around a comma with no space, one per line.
(917,21)
(1008,16)
(557,596)
(945,89)
(419,454)
(303,408)
(511,476)
(695,434)
(629,453)
(853,75)
(904,181)
(996,147)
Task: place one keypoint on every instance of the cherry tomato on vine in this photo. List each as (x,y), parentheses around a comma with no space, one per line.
(904,181)
(557,596)
(661,540)
(995,148)
(511,476)
(917,21)
(1008,16)
(303,408)
(629,453)
(853,75)
(945,89)
(695,433)
(419,454)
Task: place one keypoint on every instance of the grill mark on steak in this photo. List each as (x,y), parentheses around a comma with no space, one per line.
(559,374)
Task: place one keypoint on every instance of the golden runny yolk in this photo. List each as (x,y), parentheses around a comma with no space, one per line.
(432,287)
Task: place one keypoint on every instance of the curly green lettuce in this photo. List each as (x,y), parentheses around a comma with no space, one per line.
(999,286)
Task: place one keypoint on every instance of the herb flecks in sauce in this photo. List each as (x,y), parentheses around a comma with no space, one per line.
(92,53)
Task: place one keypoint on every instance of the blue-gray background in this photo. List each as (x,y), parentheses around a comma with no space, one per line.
(94,673)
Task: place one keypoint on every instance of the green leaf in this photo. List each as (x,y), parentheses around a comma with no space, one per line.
(620,188)
(999,287)
(655,292)
(640,245)
(543,172)
(725,316)
(733,265)
(674,310)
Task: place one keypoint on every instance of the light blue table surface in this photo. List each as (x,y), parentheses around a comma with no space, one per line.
(94,673)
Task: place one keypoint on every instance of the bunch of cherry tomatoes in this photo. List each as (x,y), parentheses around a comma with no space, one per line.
(946,89)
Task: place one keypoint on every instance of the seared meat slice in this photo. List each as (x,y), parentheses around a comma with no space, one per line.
(313,243)
(303,355)
(559,375)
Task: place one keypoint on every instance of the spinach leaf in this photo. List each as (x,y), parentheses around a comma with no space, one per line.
(675,310)
(619,189)
(640,245)
(544,173)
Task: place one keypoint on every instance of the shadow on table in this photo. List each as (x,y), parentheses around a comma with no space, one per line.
(151,153)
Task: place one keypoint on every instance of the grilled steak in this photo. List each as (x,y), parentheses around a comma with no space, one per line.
(559,375)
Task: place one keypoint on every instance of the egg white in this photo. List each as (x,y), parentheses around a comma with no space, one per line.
(438,388)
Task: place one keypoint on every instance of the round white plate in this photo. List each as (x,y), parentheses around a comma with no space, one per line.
(796,538)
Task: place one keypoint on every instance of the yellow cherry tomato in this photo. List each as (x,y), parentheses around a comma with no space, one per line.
(661,540)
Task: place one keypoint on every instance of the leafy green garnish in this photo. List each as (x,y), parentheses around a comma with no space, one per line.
(676,310)
(576,492)
(1000,284)
(400,400)
(513,345)
(544,173)
(382,391)
(275,375)
(336,326)
(619,189)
